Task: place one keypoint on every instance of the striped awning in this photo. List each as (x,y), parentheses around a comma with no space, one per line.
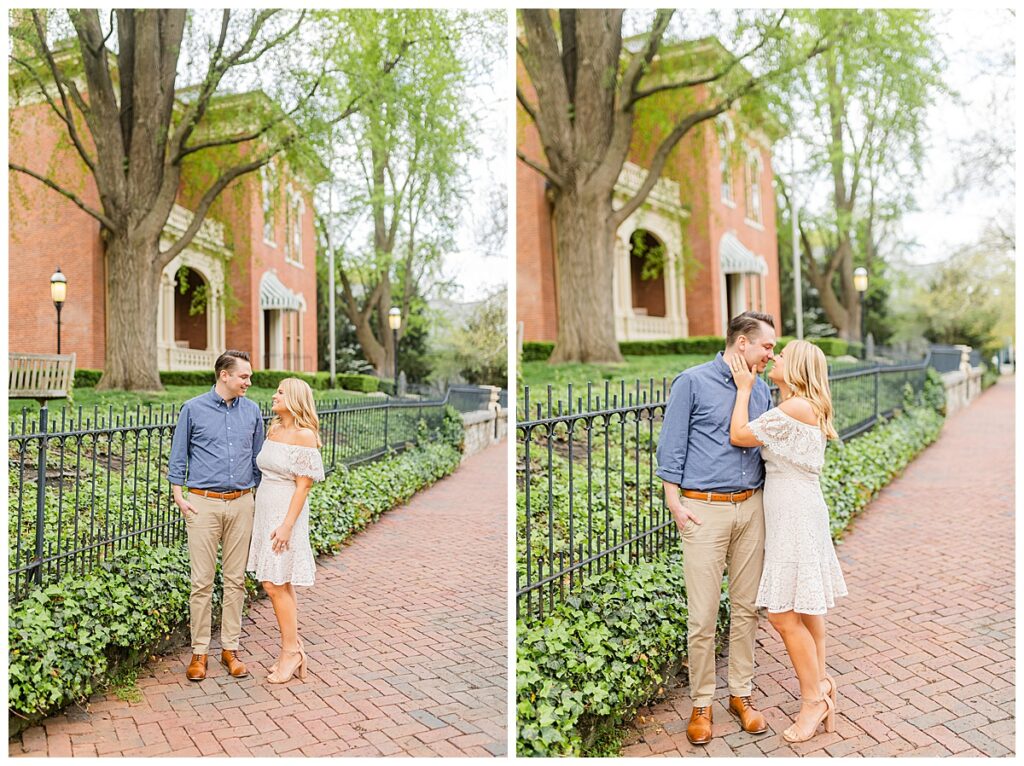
(274,295)
(737,259)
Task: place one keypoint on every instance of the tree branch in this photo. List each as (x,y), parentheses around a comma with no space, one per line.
(199,215)
(733,63)
(60,190)
(544,171)
(642,59)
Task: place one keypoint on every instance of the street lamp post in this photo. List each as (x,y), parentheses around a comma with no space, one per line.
(58,292)
(395,322)
(860,283)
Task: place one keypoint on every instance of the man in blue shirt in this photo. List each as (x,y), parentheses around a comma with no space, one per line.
(714,492)
(214,449)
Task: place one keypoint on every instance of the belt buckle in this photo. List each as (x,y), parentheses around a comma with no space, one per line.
(710,493)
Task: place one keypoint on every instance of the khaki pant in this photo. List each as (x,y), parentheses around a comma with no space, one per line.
(731,536)
(229,524)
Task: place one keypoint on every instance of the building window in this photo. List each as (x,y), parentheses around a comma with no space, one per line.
(268,180)
(726,137)
(753,186)
(294,211)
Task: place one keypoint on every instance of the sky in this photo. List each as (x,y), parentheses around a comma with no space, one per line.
(945,223)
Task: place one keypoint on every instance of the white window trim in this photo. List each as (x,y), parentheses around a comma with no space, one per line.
(296,211)
(264,184)
(724,143)
(753,156)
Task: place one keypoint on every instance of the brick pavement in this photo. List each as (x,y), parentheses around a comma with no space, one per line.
(923,647)
(406,635)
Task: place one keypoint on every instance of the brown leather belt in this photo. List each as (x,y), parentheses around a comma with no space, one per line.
(220,495)
(719,497)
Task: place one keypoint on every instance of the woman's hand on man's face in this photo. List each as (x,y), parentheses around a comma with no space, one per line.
(741,373)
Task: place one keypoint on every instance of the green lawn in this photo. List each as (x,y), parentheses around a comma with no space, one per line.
(538,375)
(87,398)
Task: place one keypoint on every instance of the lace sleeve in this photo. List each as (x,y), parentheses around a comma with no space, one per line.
(307,462)
(789,438)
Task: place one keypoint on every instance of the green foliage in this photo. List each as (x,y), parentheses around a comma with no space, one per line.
(607,650)
(537,350)
(831,346)
(187,377)
(365,383)
(934,393)
(601,654)
(87,378)
(698,344)
(68,637)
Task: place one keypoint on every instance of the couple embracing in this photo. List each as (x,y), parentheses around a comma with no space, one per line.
(741,481)
(247,494)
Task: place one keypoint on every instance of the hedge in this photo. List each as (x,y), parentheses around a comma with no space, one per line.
(318,381)
(539,351)
(67,639)
(600,655)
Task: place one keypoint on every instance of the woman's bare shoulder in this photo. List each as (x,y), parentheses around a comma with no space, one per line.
(800,409)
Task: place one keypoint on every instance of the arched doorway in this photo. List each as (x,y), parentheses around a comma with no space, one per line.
(191,320)
(647,262)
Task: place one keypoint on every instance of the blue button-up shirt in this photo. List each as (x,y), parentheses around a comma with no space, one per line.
(215,444)
(694,449)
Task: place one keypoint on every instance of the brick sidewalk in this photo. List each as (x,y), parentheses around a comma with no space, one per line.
(923,647)
(406,635)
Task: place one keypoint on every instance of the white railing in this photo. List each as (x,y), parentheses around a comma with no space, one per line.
(174,358)
(640,327)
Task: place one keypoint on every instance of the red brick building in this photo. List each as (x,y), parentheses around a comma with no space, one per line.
(712,211)
(254,258)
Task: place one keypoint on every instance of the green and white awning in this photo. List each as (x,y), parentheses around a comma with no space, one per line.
(275,296)
(735,258)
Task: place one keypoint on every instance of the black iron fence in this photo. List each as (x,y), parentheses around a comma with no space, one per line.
(88,483)
(587,494)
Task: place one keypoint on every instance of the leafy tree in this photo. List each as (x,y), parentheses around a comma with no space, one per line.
(859,113)
(585,87)
(142,135)
(401,167)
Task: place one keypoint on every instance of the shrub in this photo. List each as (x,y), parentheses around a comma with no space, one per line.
(602,653)
(67,638)
(87,378)
(355,382)
(537,350)
(187,377)
(831,346)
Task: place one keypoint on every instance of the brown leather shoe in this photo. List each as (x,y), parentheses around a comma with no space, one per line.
(751,720)
(229,659)
(196,668)
(699,730)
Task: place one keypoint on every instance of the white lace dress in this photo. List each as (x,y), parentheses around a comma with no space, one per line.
(280,463)
(801,570)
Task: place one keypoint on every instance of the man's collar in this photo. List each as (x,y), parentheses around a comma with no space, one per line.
(218,399)
(720,365)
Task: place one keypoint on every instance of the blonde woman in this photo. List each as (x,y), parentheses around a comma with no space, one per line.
(801,577)
(279,552)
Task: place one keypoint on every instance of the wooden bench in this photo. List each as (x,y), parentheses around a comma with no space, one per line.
(40,376)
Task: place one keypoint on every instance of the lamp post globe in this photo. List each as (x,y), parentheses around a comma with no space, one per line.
(58,293)
(395,322)
(860,283)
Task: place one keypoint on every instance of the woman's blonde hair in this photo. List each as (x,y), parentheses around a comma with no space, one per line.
(298,400)
(806,374)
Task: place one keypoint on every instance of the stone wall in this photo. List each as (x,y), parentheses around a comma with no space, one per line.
(484,428)
(962,387)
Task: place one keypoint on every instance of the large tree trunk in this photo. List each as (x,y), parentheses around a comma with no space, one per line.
(584,242)
(133,292)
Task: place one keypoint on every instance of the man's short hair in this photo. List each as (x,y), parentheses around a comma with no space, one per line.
(748,323)
(228,361)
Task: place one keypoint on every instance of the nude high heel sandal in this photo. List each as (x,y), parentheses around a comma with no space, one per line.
(828,715)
